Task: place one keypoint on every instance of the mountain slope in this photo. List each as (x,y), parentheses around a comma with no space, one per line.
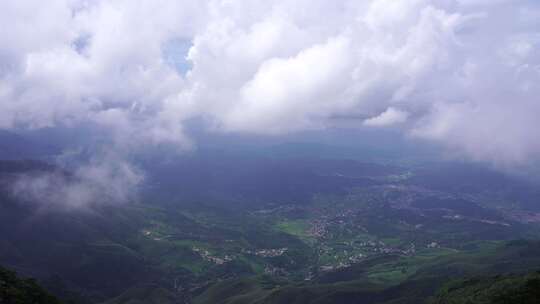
(14,290)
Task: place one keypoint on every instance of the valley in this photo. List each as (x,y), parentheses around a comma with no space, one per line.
(369,229)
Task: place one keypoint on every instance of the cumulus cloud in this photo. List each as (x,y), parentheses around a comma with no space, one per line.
(462,73)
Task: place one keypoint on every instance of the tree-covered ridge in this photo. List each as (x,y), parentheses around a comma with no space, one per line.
(507,289)
(15,290)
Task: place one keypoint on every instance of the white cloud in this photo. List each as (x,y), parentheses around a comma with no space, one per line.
(285,92)
(458,71)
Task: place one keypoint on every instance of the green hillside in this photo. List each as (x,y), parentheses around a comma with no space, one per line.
(506,289)
(471,275)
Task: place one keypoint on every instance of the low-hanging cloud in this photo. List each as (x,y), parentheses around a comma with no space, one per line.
(462,73)
(106,180)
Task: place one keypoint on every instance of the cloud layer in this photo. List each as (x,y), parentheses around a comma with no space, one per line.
(462,73)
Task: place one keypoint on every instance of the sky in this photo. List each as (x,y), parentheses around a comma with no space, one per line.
(463,74)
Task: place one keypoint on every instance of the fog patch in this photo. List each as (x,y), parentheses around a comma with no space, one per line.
(110,181)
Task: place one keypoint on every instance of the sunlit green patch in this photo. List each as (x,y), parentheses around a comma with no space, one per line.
(298,228)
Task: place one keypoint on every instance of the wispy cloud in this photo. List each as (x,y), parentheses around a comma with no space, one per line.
(104,181)
(389,117)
